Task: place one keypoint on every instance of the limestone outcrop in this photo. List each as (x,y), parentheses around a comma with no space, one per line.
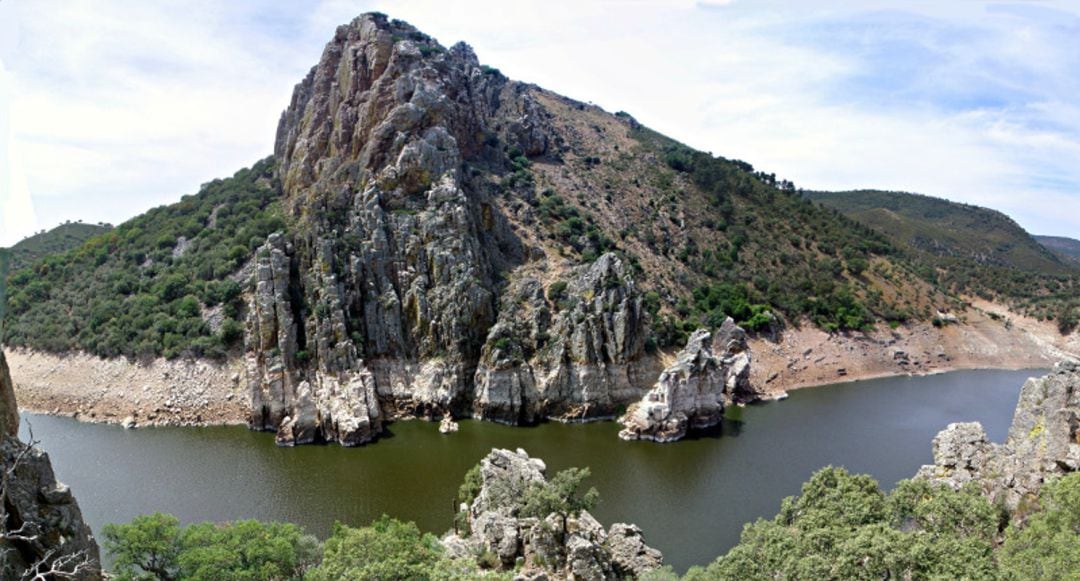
(574,547)
(399,289)
(1043,441)
(41,526)
(709,373)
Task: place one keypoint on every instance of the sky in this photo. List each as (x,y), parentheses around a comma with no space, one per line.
(111,107)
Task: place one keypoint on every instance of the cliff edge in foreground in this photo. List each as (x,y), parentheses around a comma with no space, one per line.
(41,526)
(1043,442)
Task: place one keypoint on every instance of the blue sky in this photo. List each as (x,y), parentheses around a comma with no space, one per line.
(111,107)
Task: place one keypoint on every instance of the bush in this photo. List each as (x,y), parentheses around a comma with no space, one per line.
(387,550)
(843,527)
(1048,545)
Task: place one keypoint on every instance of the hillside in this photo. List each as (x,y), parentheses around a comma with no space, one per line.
(168,282)
(1065,248)
(968,249)
(58,240)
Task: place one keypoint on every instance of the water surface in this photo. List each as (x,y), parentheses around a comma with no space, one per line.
(690,497)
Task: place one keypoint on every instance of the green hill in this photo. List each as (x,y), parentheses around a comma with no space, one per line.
(967,249)
(395,244)
(60,239)
(159,284)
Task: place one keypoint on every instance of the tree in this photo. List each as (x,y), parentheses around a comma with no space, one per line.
(157,547)
(387,550)
(560,495)
(843,527)
(147,548)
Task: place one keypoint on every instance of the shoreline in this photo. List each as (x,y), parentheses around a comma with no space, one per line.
(118,391)
(769,396)
(206,393)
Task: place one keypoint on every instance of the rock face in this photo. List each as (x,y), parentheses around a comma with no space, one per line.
(386,299)
(583,362)
(577,548)
(1043,441)
(41,523)
(692,392)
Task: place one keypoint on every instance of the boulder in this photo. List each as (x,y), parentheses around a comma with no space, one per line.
(1043,442)
(556,546)
(691,393)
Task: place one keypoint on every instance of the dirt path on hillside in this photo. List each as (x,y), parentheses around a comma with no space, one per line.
(987,336)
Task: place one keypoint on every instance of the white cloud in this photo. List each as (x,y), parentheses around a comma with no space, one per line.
(123,105)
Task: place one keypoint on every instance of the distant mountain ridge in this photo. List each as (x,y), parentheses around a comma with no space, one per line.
(1067,248)
(945,228)
(967,249)
(64,237)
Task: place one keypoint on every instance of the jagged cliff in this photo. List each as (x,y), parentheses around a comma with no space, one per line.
(1043,442)
(399,291)
(41,526)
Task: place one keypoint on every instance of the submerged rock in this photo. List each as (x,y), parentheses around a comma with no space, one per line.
(574,547)
(692,392)
(448,425)
(1043,441)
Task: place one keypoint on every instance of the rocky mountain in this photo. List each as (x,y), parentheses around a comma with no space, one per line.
(41,527)
(1065,248)
(61,239)
(463,244)
(967,249)
(432,239)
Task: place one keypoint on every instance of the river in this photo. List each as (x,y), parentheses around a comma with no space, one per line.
(691,497)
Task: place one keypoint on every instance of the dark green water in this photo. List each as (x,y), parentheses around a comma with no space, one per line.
(691,497)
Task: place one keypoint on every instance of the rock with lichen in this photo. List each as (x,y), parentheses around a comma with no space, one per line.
(1043,442)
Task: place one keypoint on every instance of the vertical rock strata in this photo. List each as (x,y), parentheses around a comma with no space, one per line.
(387,298)
(43,528)
(1043,441)
(709,373)
(584,361)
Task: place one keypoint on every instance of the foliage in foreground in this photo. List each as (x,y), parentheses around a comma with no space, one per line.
(843,526)
(157,547)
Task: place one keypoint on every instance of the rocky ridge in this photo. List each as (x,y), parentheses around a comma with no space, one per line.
(692,392)
(576,547)
(1043,441)
(41,526)
(384,301)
